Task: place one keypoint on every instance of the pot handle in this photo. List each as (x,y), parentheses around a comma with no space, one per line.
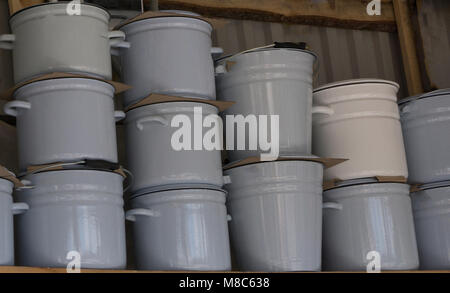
(116,49)
(159,119)
(119,115)
(226,179)
(10,108)
(131,214)
(20,208)
(115,37)
(322,110)
(229,218)
(7,41)
(332,205)
(216,52)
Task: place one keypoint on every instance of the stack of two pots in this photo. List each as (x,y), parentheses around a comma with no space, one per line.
(177,207)
(426,124)
(67,120)
(368,222)
(275,206)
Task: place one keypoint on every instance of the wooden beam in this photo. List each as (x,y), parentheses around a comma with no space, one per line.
(16,5)
(336,13)
(408,46)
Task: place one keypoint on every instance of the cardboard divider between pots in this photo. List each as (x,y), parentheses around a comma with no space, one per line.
(160,98)
(8,175)
(59,167)
(326,162)
(330,184)
(157,14)
(8,94)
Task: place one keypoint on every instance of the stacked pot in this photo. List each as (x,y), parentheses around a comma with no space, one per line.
(276,206)
(75,214)
(425,122)
(177,207)
(367,220)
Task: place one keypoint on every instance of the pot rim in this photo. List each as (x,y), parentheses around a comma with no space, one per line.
(157,105)
(434,185)
(331,197)
(356,82)
(271,162)
(56,3)
(436,93)
(170,15)
(175,187)
(75,170)
(262,49)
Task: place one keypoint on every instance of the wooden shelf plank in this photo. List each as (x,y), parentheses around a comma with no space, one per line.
(337,13)
(16,5)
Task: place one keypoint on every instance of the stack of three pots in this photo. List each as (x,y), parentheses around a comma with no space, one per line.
(67,121)
(426,124)
(275,206)
(177,207)
(368,221)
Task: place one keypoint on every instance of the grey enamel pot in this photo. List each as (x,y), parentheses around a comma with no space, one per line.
(432,221)
(72,210)
(46,39)
(270,82)
(7,210)
(66,119)
(360,219)
(276,216)
(425,123)
(168,55)
(184,229)
(155,156)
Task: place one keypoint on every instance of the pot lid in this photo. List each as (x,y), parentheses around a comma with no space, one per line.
(158,14)
(300,46)
(355,82)
(173,187)
(436,93)
(56,3)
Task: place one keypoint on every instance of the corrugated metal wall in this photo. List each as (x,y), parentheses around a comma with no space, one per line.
(343,54)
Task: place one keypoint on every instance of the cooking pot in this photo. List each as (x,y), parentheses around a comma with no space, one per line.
(155,161)
(181,229)
(65,119)
(425,122)
(270,81)
(276,216)
(46,39)
(70,211)
(361,221)
(168,55)
(363,125)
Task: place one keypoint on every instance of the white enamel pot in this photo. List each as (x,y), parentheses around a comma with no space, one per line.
(46,38)
(276,216)
(168,55)
(425,123)
(361,222)
(431,208)
(72,211)
(269,82)
(181,229)
(154,153)
(7,210)
(363,126)
(66,119)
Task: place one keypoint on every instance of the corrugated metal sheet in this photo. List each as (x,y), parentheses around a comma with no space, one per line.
(343,54)
(434,21)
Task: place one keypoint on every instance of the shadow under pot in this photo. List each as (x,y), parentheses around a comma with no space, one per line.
(363,125)
(181,229)
(7,210)
(74,215)
(431,208)
(65,120)
(369,226)
(161,141)
(426,123)
(47,39)
(168,55)
(276,216)
(269,82)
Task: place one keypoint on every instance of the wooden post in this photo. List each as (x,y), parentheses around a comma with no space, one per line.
(408,46)
(16,5)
